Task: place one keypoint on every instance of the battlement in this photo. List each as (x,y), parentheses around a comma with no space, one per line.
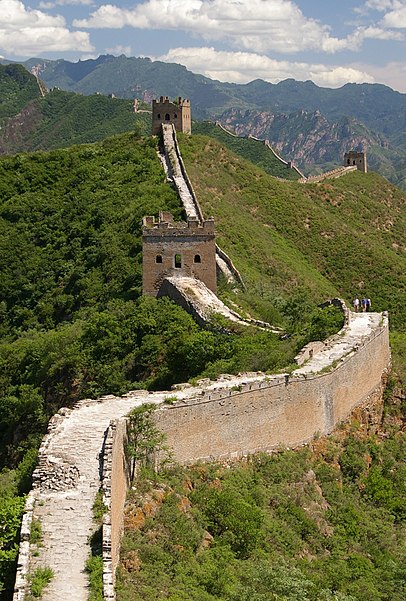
(177,248)
(176,112)
(166,226)
(356,159)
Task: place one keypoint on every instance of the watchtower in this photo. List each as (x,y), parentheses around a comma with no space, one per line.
(359,159)
(181,248)
(176,112)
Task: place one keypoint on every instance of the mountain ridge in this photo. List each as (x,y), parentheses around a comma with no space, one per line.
(374,114)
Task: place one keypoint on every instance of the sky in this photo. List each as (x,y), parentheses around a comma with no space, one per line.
(330,42)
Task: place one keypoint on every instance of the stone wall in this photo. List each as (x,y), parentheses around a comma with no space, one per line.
(284,411)
(177,113)
(115,481)
(164,241)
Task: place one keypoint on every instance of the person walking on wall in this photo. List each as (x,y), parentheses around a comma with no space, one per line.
(356,304)
(364,304)
(368,304)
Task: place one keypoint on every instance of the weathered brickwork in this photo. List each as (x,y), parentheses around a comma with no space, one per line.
(285,411)
(357,159)
(177,249)
(232,417)
(178,113)
(115,481)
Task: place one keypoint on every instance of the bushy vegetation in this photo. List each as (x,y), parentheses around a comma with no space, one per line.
(73,323)
(17,87)
(72,320)
(61,119)
(318,524)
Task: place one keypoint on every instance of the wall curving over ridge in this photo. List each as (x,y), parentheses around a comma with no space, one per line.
(285,410)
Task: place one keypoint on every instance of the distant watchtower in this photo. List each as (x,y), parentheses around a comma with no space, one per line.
(171,248)
(176,112)
(358,159)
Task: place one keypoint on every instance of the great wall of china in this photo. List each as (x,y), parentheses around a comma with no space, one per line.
(222,420)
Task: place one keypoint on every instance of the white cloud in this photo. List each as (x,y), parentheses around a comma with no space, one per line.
(54,3)
(392,74)
(378,5)
(258,25)
(24,31)
(397,17)
(118,50)
(242,67)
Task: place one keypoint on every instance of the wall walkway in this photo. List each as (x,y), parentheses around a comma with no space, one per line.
(229,417)
(176,171)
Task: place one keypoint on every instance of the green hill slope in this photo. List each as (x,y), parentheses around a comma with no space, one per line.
(248,148)
(351,230)
(73,323)
(17,87)
(61,119)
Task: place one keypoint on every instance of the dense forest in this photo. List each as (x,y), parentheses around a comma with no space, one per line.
(73,322)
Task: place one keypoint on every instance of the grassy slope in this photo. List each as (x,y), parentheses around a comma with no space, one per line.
(62,119)
(70,224)
(344,235)
(250,149)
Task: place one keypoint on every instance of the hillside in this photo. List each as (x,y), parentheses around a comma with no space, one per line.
(343,228)
(62,119)
(74,324)
(316,143)
(311,126)
(17,88)
(252,150)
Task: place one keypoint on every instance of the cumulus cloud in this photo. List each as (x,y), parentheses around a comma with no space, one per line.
(24,31)
(258,25)
(242,67)
(392,74)
(396,17)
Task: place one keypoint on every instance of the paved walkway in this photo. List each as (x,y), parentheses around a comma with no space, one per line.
(360,326)
(70,481)
(70,475)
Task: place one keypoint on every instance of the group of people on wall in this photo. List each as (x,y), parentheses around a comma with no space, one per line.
(363,304)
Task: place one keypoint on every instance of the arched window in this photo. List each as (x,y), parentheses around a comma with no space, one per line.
(159,115)
(167,117)
(175,115)
(178,261)
(353,162)
(158,259)
(348,161)
(197,259)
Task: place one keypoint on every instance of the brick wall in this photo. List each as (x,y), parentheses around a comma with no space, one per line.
(286,411)
(163,241)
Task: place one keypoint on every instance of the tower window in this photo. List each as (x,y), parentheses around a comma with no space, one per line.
(158,259)
(178,261)
(167,117)
(197,259)
(175,115)
(159,115)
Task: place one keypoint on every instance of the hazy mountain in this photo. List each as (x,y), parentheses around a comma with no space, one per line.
(310,125)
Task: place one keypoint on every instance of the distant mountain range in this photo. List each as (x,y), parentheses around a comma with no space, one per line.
(310,125)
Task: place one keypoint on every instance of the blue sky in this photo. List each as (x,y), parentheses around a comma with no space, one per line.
(328,41)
